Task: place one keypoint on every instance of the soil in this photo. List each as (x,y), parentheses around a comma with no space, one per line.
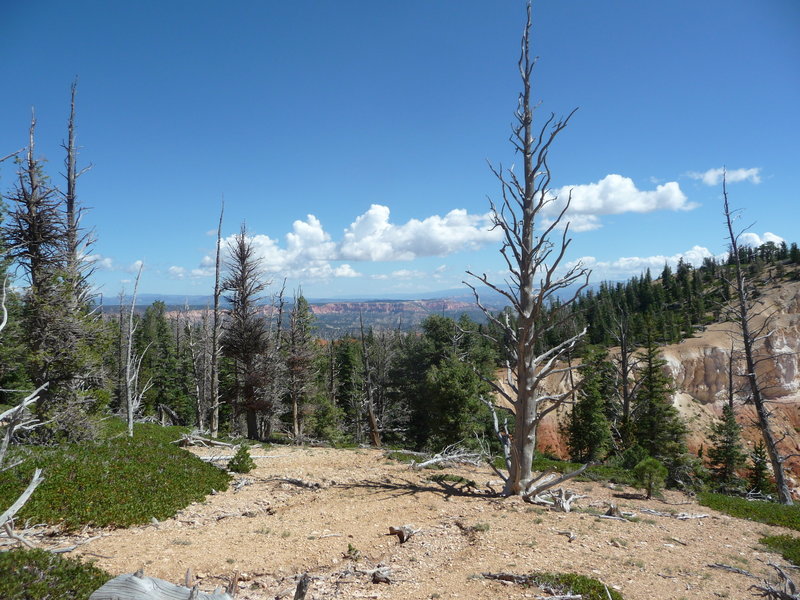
(327,513)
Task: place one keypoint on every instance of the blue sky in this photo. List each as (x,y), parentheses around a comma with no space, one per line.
(353,136)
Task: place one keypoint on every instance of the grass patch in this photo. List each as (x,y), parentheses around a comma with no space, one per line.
(609,473)
(118,482)
(787,545)
(770,513)
(589,588)
(403,457)
(570,583)
(41,575)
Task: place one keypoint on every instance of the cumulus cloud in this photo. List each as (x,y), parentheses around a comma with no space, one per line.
(714,176)
(176,272)
(135,266)
(749,238)
(100,262)
(628,266)
(371,237)
(613,195)
(308,251)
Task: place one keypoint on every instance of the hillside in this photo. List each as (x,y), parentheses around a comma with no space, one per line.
(699,368)
(270,527)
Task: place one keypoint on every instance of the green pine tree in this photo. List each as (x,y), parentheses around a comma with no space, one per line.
(588,430)
(760,480)
(726,454)
(658,427)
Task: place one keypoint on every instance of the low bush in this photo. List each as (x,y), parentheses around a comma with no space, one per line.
(115,483)
(770,513)
(607,472)
(787,545)
(586,587)
(42,575)
(241,461)
(650,475)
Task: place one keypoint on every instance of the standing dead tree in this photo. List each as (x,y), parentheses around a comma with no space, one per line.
(133,364)
(529,219)
(215,349)
(369,388)
(753,328)
(13,420)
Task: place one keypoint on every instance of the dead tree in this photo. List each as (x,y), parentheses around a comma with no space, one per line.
(369,389)
(77,241)
(11,421)
(751,333)
(133,364)
(215,349)
(533,249)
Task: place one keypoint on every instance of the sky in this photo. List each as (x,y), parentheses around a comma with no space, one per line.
(353,138)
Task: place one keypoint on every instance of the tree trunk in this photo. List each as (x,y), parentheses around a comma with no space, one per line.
(748,341)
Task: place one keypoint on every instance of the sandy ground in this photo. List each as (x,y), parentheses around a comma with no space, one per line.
(272,528)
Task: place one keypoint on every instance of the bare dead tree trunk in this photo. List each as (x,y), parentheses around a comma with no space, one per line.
(374,430)
(744,317)
(215,349)
(133,365)
(533,259)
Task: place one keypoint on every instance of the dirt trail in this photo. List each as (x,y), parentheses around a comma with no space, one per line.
(273,528)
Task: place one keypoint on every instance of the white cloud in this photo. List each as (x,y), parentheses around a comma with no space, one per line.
(309,251)
(371,237)
(345,271)
(627,266)
(753,239)
(613,195)
(135,266)
(176,272)
(100,262)
(714,176)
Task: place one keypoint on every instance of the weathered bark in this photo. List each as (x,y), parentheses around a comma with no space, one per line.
(533,260)
(215,349)
(744,317)
(133,364)
(374,430)
(137,586)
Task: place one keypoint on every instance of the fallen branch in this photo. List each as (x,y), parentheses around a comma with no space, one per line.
(20,502)
(189,439)
(451,454)
(785,590)
(681,516)
(137,586)
(548,480)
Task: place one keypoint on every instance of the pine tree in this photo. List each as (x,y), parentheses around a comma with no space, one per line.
(245,333)
(658,427)
(300,357)
(726,454)
(588,430)
(759,480)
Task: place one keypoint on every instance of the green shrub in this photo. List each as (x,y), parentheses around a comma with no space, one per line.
(588,588)
(650,475)
(787,545)
(770,513)
(241,461)
(632,456)
(117,483)
(42,575)
(607,472)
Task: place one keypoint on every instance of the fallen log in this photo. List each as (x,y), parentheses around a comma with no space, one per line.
(137,586)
